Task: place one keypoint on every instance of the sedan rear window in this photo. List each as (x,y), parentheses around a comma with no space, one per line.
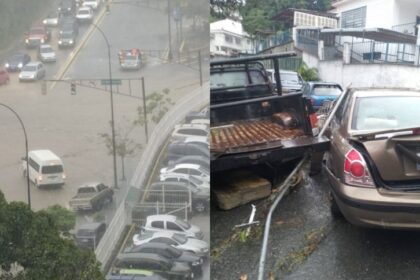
(326,90)
(386,112)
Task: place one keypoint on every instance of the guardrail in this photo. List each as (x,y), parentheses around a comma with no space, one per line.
(161,131)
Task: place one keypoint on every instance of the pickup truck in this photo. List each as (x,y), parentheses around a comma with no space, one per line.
(91,196)
(36,36)
(251,123)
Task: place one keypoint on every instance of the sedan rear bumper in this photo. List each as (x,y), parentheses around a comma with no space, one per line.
(376,207)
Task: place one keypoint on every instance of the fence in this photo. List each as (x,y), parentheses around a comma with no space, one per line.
(407,28)
(140,212)
(196,99)
(278,39)
(379,52)
(307,40)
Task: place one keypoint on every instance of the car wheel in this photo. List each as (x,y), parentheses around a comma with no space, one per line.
(200,206)
(335,210)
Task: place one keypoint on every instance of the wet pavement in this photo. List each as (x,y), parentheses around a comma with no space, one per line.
(307,243)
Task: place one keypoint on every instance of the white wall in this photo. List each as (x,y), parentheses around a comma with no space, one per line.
(406,12)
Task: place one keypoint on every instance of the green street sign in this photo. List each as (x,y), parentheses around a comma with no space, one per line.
(108,82)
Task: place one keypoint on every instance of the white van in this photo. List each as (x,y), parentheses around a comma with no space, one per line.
(45,168)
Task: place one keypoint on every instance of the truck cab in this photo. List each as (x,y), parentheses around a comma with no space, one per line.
(130,59)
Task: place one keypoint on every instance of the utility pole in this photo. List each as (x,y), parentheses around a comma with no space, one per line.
(169,32)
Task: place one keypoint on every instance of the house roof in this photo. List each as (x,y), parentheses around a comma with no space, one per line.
(286,15)
(228,25)
(376,34)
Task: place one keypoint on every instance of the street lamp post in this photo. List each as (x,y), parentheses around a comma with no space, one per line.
(169,31)
(26,150)
(114,152)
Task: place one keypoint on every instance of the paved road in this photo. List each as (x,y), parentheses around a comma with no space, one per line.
(307,243)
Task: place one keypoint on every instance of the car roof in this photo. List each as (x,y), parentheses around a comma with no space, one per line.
(33,63)
(91,184)
(191,125)
(141,256)
(162,217)
(156,245)
(45,46)
(186,165)
(44,154)
(323,83)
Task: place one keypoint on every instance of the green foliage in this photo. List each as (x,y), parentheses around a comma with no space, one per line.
(157,105)
(31,241)
(308,74)
(257,14)
(124,145)
(63,218)
(221,9)
(16,17)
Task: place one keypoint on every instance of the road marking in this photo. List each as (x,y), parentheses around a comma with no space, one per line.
(76,51)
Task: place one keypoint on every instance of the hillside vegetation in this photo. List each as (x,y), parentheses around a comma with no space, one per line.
(16,17)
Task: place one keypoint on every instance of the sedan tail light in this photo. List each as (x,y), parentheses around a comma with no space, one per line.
(356,171)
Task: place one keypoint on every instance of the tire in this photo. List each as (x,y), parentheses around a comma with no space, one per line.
(334,209)
(200,206)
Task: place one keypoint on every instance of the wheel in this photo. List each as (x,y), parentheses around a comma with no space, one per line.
(200,206)
(335,210)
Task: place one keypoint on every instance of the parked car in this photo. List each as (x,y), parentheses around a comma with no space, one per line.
(200,160)
(203,114)
(178,149)
(171,223)
(205,121)
(189,169)
(191,180)
(91,196)
(94,4)
(196,246)
(66,39)
(36,36)
(171,253)
(84,14)
(32,71)
(199,140)
(16,62)
(321,92)
(4,77)
(88,235)
(46,53)
(182,131)
(373,163)
(291,81)
(51,19)
(154,263)
(180,193)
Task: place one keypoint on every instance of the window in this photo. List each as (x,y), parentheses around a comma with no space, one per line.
(164,240)
(354,18)
(228,38)
(157,224)
(33,164)
(51,169)
(194,172)
(238,40)
(326,90)
(101,187)
(172,226)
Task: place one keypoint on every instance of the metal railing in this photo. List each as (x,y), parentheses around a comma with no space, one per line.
(380,52)
(307,43)
(278,39)
(406,28)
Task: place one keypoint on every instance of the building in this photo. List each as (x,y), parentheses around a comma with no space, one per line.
(227,38)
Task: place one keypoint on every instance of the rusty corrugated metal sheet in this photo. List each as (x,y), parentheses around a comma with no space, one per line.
(249,133)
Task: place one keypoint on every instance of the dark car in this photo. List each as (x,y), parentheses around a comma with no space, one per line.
(88,235)
(321,92)
(178,149)
(67,7)
(69,25)
(66,39)
(155,263)
(373,164)
(171,253)
(16,62)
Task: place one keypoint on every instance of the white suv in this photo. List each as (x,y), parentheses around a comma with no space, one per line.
(94,4)
(182,131)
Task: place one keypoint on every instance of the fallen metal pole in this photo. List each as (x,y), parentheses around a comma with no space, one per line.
(282,190)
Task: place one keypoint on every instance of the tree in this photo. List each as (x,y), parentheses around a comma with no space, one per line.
(157,104)
(124,145)
(63,218)
(221,9)
(308,74)
(31,241)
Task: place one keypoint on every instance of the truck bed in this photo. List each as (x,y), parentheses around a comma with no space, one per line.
(246,133)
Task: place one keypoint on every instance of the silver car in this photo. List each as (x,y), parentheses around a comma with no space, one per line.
(32,71)
(46,53)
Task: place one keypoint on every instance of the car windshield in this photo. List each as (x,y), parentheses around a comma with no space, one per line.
(180,238)
(145,235)
(86,190)
(289,78)
(37,31)
(16,58)
(183,224)
(66,35)
(194,180)
(130,57)
(83,12)
(235,79)
(326,90)
(47,50)
(386,112)
(29,68)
